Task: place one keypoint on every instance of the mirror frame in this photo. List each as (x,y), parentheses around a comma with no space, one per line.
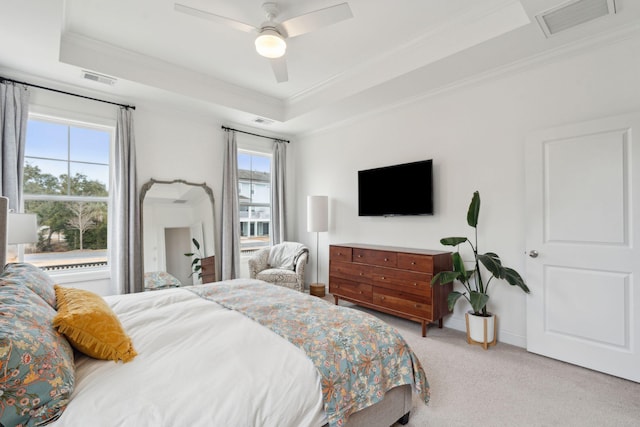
(143,192)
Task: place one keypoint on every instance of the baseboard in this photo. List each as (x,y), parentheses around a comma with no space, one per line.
(506,337)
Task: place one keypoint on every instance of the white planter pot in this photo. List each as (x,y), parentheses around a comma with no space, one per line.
(480,329)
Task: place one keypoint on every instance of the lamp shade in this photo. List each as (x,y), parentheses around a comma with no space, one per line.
(22,228)
(317,213)
(270,44)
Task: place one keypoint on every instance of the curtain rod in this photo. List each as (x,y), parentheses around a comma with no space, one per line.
(4,79)
(254,134)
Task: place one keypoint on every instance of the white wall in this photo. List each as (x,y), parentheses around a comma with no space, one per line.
(476,136)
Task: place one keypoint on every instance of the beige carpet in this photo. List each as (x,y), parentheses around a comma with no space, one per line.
(507,386)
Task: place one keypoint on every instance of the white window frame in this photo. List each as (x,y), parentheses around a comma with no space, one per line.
(91,122)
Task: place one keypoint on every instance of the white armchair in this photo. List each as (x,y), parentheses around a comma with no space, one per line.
(259,268)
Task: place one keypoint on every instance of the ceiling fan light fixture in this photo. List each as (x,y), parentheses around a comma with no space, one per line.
(270,44)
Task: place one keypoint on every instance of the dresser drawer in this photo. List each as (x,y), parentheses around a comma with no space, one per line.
(208,269)
(403,303)
(415,262)
(340,253)
(347,289)
(349,271)
(374,257)
(404,281)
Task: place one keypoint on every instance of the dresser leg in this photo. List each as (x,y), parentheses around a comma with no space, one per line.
(440,323)
(424,328)
(336,298)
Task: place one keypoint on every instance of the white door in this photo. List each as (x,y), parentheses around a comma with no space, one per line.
(583,233)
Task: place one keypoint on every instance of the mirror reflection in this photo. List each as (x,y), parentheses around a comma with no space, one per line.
(173,214)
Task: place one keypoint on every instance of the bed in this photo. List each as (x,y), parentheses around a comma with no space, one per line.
(231,353)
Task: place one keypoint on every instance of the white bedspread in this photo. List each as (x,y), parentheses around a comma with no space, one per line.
(198,364)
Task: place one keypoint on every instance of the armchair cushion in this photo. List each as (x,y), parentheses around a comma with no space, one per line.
(277,275)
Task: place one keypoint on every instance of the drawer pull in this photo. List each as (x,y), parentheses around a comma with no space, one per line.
(413,263)
(382,278)
(415,284)
(382,298)
(386,259)
(359,256)
(339,253)
(360,292)
(361,273)
(417,305)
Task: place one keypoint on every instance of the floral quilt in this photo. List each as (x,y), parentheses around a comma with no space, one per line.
(358,356)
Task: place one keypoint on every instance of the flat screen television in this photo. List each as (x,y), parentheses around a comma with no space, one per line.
(403,189)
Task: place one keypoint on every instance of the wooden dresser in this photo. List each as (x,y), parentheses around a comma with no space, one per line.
(208,269)
(391,279)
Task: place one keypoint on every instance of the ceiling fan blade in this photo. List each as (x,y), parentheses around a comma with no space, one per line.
(317,19)
(279,66)
(215,18)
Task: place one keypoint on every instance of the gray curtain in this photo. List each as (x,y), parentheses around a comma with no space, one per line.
(230,210)
(126,212)
(14,109)
(278,226)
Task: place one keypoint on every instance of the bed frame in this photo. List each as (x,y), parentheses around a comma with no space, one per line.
(395,408)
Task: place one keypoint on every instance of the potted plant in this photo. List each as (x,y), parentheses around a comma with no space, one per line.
(481,325)
(196,263)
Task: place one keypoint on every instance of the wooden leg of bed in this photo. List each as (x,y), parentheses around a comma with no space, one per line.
(404,419)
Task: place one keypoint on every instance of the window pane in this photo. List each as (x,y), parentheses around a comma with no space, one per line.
(244,161)
(261,164)
(69,234)
(244,192)
(89,145)
(44,176)
(89,179)
(261,193)
(46,139)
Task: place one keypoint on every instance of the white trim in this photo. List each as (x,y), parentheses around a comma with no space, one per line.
(85,275)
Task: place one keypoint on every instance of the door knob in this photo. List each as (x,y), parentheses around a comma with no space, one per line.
(533,254)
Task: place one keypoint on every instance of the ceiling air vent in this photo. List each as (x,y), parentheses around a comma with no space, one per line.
(572,13)
(100,78)
(179,201)
(262,121)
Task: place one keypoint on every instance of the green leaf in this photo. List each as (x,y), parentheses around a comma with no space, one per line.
(453,241)
(195,261)
(478,301)
(190,254)
(452,298)
(474,210)
(515,279)
(444,277)
(197,268)
(458,264)
(492,262)
(196,244)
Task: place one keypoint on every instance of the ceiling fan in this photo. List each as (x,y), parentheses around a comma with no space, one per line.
(270,41)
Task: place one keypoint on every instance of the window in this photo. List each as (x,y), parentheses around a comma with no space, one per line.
(254,187)
(66,183)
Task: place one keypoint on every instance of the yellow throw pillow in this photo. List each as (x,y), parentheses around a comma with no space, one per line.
(91,326)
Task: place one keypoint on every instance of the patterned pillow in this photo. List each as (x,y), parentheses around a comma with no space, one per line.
(36,362)
(91,326)
(33,277)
